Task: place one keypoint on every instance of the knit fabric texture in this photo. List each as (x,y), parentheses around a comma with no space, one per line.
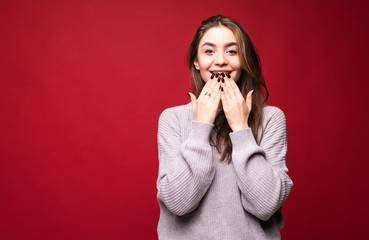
(203,198)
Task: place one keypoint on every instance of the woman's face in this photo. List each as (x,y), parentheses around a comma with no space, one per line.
(218,52)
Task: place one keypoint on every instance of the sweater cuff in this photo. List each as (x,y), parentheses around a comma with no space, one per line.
(200,131)
(243,138)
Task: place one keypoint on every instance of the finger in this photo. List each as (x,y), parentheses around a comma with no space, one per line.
(211,88)
(193,100)
(236,89)
(227,95)
(212,85)
(215,84)
(228,89)
(206,87)
(249,99)
(215,92)
(218,96)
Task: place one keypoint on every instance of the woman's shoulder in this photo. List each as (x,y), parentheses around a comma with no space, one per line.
(270,110)
(173,113)
(273,113)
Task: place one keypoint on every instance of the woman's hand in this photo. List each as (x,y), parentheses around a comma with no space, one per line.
(235,107)
(205,107)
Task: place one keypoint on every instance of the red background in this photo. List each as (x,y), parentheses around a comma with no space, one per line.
(83,83)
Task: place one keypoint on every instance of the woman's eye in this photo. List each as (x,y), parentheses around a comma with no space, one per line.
(208,51)
(232,52)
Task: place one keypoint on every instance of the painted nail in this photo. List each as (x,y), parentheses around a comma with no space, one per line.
(189,95)
(212,76)
(228,75)
(217,75)
(222,80)
(222,89)
(253,91)
(218,79)
(223,74)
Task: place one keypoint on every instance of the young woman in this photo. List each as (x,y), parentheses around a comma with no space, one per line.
(222,166)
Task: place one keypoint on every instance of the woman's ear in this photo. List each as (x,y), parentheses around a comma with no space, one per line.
(196,63)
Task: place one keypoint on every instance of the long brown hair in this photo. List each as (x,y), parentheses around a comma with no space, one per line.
(251,78)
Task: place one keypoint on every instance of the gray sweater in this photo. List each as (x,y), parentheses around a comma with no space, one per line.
(203,198)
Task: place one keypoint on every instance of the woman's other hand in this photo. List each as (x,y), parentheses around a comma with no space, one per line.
(206,105)
(236,108)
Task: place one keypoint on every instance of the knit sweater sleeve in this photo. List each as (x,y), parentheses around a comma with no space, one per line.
(185,166)
(261,170)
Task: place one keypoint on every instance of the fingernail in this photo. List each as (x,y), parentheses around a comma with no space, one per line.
(228,75)
(222,89)
(212,76)
(222,80)
(218,80)
(223,74)
(189,95)
(217,75)
(253,91)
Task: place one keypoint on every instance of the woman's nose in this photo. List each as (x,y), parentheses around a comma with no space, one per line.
(220,59)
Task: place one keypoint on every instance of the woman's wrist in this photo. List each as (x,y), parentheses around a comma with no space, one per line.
(239,128)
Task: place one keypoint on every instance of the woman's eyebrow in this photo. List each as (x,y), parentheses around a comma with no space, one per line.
(230,44)
(208,44)
(213,45)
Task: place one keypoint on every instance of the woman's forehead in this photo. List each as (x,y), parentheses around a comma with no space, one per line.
(219,35)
